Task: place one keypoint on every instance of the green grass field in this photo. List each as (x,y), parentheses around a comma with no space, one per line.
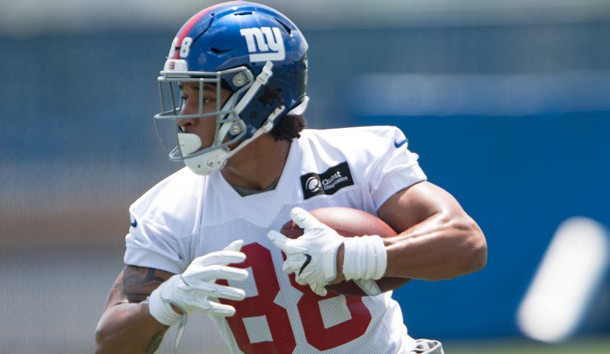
(581,346)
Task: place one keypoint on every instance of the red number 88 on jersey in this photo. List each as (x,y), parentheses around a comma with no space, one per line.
(321,330)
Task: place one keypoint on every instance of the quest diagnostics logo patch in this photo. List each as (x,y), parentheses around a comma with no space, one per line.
(327,182)
(264,43)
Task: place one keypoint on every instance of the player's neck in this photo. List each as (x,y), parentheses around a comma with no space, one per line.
(258,165)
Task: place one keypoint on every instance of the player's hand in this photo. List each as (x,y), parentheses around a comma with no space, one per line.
(195,289)
(313,256)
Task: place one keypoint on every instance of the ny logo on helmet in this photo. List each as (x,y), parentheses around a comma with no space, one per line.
(264,43)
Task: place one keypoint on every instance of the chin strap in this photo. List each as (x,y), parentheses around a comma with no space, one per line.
(265,128)
(261,80)
(215,159)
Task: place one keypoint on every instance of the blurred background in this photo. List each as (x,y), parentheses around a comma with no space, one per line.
(507,103)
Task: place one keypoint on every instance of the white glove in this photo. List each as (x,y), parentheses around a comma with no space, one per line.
(312,256)
(193,289)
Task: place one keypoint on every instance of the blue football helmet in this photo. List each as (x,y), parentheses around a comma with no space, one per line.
(251,49)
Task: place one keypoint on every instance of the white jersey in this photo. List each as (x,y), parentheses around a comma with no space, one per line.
(187,215)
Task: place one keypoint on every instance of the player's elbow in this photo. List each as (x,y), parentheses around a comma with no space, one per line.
(104,339)
(474,247)
(102,336)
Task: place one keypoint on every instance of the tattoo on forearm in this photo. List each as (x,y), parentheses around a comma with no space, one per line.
(139,282)
(155,343)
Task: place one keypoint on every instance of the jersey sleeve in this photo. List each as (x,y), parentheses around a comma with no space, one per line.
(393,166)
(162,228)
(151,245)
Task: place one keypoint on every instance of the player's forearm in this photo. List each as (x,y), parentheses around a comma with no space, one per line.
(441,247)
(128,328)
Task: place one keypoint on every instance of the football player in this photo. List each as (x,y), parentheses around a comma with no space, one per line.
(204,239)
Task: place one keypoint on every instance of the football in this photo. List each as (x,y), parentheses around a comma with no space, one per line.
(349,222)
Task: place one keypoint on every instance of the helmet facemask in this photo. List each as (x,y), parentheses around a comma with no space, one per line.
(230,128)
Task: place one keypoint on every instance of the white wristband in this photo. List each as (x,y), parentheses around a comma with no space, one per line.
(162,310)
(364,258)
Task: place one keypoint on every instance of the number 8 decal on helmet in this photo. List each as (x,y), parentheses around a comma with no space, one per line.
(253,51)
(185,47)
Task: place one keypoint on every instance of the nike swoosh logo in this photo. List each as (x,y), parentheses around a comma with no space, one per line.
(307,261)
(398,144)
